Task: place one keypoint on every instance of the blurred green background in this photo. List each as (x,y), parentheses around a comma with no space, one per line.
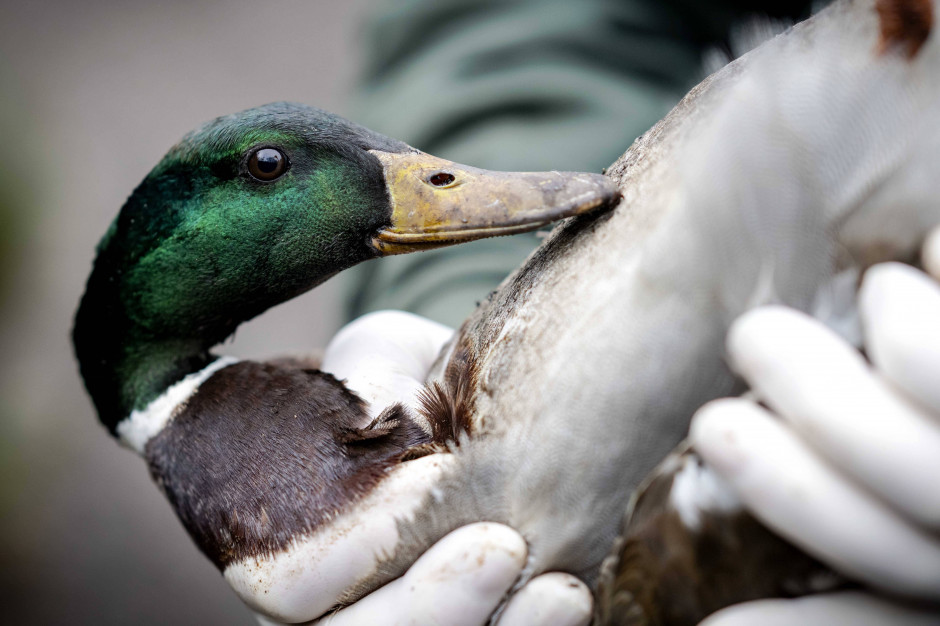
(94,93)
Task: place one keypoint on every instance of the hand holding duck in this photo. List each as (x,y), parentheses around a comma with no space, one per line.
(848,469)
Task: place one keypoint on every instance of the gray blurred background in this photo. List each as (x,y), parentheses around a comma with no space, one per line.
(93,94)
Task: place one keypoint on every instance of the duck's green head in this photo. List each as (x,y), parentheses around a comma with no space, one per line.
(255,208)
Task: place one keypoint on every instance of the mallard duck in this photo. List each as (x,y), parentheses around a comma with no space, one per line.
(573,380)
(244,213)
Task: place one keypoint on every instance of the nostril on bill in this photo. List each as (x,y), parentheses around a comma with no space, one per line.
(441,179)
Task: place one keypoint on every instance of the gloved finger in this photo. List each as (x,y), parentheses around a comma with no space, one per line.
(823,387)
(900,310)
(849,608)
(458,582)
(549,600)
(930,255)
(383,368)
(783,483)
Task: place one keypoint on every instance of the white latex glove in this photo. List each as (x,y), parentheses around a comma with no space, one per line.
(850,471)
(462,579)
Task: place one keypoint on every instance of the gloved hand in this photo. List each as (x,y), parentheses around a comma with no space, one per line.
(846,463)
(461,580)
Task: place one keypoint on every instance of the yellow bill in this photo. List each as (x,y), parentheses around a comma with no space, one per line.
(436,202)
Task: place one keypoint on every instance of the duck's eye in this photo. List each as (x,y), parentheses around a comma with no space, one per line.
(267,164)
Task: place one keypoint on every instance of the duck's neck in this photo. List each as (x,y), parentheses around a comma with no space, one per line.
(147,369)
(136,374)
(125,366)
